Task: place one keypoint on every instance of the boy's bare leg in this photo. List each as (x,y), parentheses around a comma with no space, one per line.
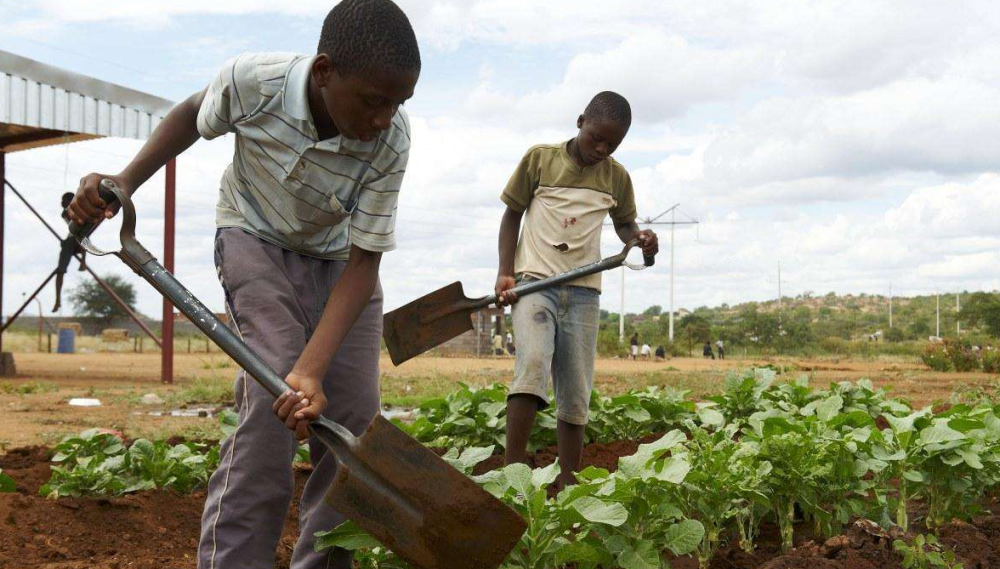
(569,438)
(521,411)
(59,285)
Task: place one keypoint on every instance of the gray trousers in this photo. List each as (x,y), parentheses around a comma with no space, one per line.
(275,299)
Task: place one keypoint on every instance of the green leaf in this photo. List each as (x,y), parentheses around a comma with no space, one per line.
(829,408)
(683,537)
(939,433)
(633,466)
(600,512)
(519,478)
(544,476)
(642,555)
(7,483)
(345,536)
(711,417)
(674,470)
(577,552)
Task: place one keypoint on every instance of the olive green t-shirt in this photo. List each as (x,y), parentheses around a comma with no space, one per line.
(564,207)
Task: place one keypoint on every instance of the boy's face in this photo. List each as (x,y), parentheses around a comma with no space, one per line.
(361,106)
(598,139)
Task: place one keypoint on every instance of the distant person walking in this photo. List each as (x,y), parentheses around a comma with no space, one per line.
(510,344)
(635,345)
(721,349)
(646,351)
(707,350)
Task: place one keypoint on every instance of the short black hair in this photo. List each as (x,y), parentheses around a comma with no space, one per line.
(608,105)
(361,36)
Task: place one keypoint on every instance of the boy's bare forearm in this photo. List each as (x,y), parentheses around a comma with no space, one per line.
(175,134)
(626,231)
(347,301)
(510,227)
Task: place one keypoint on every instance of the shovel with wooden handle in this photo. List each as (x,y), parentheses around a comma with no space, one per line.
(426,512)
(446,313)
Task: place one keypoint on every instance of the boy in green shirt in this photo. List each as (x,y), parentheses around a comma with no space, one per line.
(564,192)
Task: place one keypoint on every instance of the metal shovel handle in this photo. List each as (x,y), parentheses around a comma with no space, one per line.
(605,264)
(146,266)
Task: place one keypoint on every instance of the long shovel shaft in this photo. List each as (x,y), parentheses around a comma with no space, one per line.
(529,287)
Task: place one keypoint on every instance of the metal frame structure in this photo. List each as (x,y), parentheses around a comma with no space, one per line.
(42,105)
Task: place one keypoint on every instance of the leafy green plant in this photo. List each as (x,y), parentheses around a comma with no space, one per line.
(7,483)
(925,552)
(727,485)
(473,417)
(95,463)
(743,394)
(637,413)
(646,485)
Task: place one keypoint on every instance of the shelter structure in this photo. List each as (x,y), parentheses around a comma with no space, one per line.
(42,105)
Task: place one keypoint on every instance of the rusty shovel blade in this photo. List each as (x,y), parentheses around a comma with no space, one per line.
(429,514)
(412,329)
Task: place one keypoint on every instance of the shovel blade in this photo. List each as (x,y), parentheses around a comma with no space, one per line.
(426,512)
(408,335)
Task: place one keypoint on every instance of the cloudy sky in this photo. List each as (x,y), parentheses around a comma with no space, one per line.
(856,142)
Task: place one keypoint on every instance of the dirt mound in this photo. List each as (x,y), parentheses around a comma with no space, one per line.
(28,466)
(137,531)
(971,545)
(863,546)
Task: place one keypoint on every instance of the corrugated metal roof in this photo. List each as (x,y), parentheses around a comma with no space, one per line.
(42,105)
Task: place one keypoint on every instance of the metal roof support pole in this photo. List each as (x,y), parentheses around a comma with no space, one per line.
(27,302)
(3,192)
(167,331)
(104,285)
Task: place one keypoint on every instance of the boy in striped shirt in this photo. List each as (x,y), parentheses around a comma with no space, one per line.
(564,192)
(304,213)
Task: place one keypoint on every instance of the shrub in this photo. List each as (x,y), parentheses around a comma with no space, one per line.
(991,360)
(961,355)
(935,356)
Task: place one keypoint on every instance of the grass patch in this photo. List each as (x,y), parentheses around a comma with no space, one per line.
(212,389)
(28,387)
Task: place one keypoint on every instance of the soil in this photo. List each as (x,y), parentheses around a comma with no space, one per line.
(153,530)
(159,529)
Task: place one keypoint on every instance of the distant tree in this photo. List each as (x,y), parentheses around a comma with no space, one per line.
(654,310)
(605,314)
(90,299)
(983,309)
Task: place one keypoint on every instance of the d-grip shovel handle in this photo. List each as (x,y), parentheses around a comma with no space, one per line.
(146,266)
(106,190)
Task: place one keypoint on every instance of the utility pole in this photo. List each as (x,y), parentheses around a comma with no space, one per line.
(958,308)
(938,328)
(890,305)
(621,314)
(779,295)
(670,335)
(647,222)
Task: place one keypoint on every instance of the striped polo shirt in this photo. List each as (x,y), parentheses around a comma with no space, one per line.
(564,207)
(311,196)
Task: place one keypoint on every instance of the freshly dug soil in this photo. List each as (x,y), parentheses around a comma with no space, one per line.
(157,529)
(160,529)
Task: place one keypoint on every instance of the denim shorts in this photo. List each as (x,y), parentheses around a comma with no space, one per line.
(556,331)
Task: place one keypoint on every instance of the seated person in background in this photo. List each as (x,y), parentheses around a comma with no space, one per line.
(661,353)
(646,351)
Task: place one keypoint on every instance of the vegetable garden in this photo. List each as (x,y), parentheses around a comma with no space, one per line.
(763,474)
